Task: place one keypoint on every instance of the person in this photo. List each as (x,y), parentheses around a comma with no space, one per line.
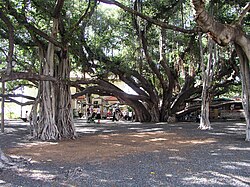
(80,113)
(90,115)
(130,116)
(105,111)
(88,112)
(98,114)
(25,119)
(114,114)
(91,109)
(125,115)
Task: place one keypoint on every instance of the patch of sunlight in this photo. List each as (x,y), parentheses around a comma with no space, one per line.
(156,151)
(177,158)
(104,136)
(109,182)
(173,150)
(215,154)
(244,164)
(150,130)
(231,129)
(168,175)
(241,178)
(230,167)
(87,130)
(2,182)
(26,158)
(155,133)
(36,174)
(107,131)
(156,139)
(141,135)
(238,148)
(10,130)
(207,141)
(240,124)
(162,123)
(117,144)
(217,133)
(231,179)
(134,128)
(114,135)
(201,181)
(37,143)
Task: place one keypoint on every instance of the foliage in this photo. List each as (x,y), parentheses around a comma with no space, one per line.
(109,43)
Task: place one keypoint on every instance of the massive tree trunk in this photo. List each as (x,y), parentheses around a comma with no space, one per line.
(55,115)
(64,114)
(224,34)
(47,124)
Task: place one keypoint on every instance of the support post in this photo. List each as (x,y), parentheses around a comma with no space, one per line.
(2,111)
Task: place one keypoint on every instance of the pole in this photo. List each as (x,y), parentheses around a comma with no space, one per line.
(2,113)
(22,102)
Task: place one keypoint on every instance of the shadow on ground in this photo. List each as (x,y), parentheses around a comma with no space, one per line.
(130,154)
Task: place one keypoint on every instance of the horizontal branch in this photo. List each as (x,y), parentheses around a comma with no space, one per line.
(105,90)
(27,76)
(10,100)
(18,95)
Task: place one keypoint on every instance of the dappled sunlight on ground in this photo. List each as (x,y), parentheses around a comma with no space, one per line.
(36,174)
(114,154)
(205,141)
(103,143)
(237,148)
(216,179)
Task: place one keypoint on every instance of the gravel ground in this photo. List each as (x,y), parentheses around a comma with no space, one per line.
(184,156)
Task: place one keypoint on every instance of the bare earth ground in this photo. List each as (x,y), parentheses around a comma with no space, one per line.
(129,154)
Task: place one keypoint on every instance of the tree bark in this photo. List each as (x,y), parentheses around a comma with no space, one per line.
(47,129)
(64,114)
(245,76)
(55,114)
(2,107)
(206,78)
(3,160)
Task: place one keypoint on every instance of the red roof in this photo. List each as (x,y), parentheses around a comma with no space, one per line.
(81,97)
(110,98)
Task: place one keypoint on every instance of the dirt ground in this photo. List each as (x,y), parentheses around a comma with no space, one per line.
(109,144)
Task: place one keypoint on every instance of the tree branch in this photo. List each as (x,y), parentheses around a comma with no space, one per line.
(58,8)
(244,12)
(86,15)
(18,95)
(23,21)
(11,42)
(27,76)
(149,19)
(18,102)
